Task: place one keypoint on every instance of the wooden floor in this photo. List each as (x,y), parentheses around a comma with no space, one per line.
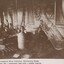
(38,46)
(41,47)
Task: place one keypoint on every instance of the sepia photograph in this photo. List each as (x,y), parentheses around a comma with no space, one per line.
(31,29)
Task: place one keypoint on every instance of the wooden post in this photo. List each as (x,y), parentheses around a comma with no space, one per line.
(55,12)
(59,12)
(16,13)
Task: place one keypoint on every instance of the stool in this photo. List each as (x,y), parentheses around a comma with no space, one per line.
(1,41)
(2,48)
